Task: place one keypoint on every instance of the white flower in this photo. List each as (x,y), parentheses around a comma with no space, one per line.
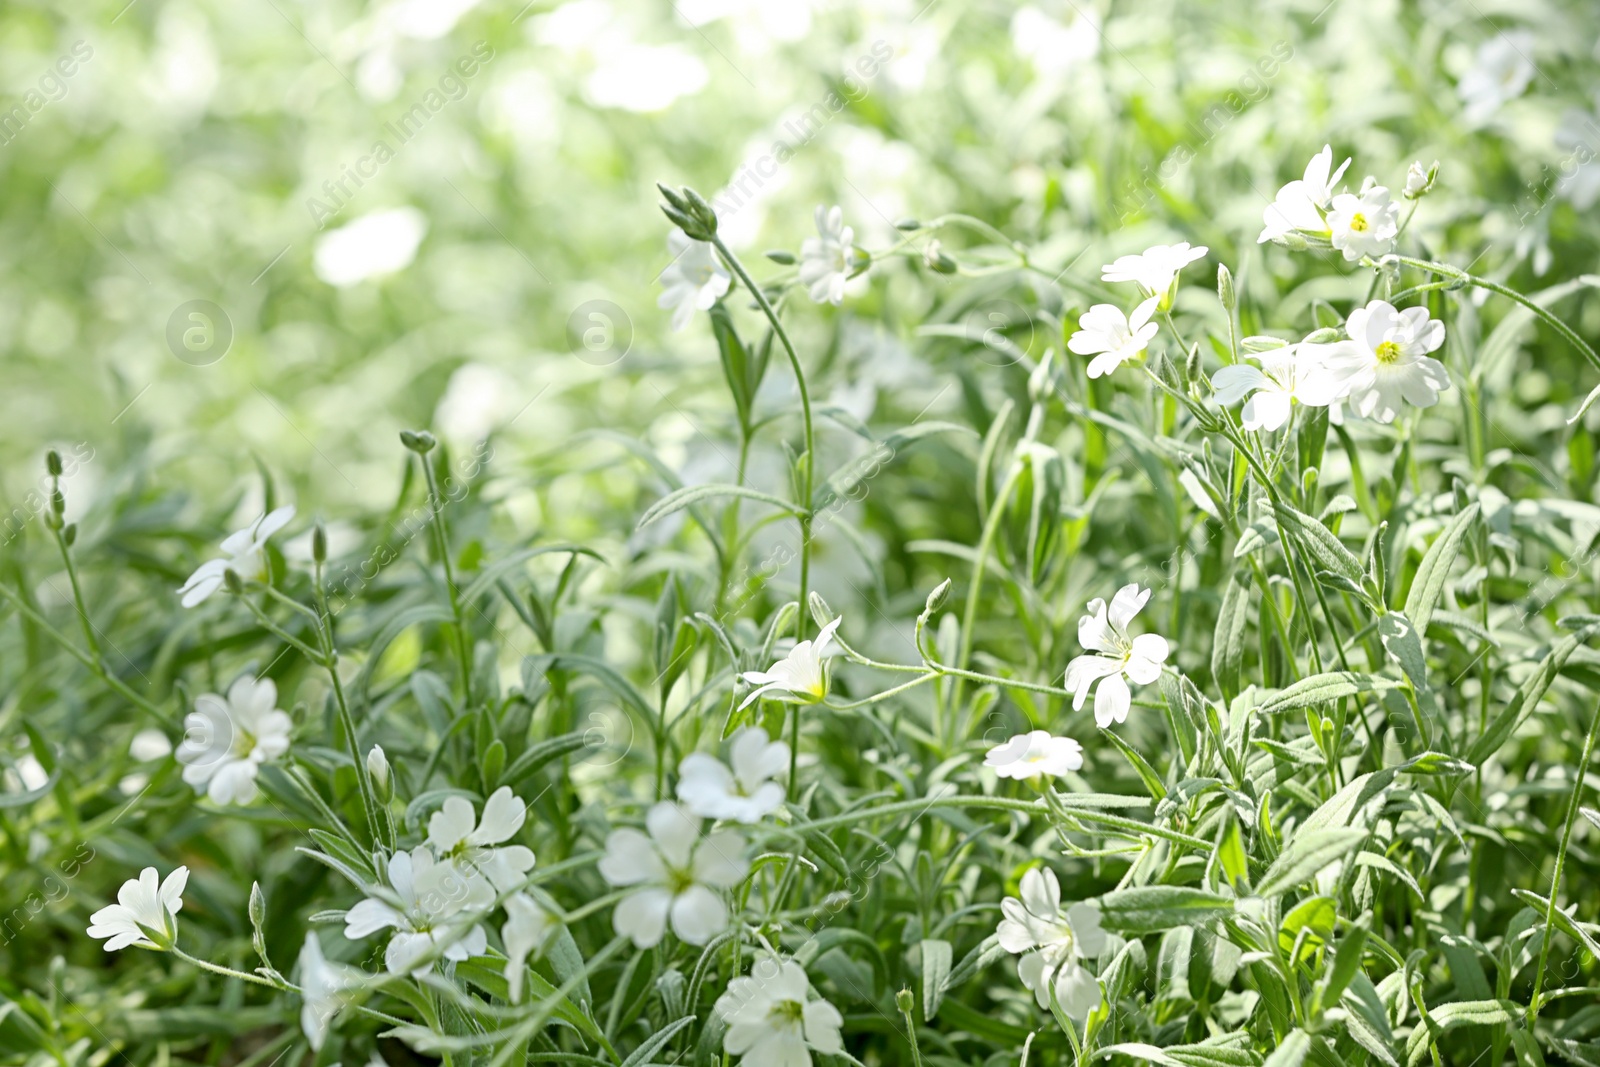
(370,247)
(1032,754)
(1500,71)
(1300,203)
(1579,177)
(527,927)
(1112,338)
(145,914)
(245,557)
(798,678)
(1052,943)
(1106,633)
(772,1020)
(1155,269)
(226,741)
(324,990)
(1364,225)
(457,836)
(149,745)
(746,793)
(1288,374)
(1386,361)
(679,875)
(433,907)
(825,260)
(1418,181)
(693,281)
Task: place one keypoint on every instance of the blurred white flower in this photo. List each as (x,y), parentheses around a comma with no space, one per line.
(693,281)
(679,875)
(825,260)
(456,835)
(1114,655)
(145,914)
(433,907)
(1364,225)
(225,742)
(373,245)
(644,78)
(1288,374)
(798,678)
(149,745)
(1579,174)
(28,773)
(1032,754)
(475,402)
(527,927)
(324,989)
(1500,71)
(1155,269)
(1300,204)
(772,1019)
(1054,48)
(1113,338)
(1052,943)
(246,557)
(747,793)
(1386,361)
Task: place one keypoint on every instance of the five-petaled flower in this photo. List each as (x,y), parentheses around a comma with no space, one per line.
(827,260)
(145,914)
(1112,337)
(1365,224)
(1032,754)
(747,792)
(798,678)
(693,281)
(1500,71)
(1293,373)
(457,836)
(433,906)
(246,551)
(225,742)
(1385,362)
(1155,270)
(1114,655)
(1300,204)
(773,1020)
(680,876)
(1053,943)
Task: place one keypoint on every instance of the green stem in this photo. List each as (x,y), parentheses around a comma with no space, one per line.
(969,615)
(1561,859)
(441,541)
(77,596)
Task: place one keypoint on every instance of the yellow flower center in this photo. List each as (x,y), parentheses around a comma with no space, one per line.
(1358,222)
(1388,352)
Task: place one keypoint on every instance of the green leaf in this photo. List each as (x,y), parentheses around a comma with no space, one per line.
(1347,957)
(1449,1017)
(1324,689)
(1434,570)
(529,763)
(1153,909)
(1323,545)
(679,499)
(1227,641)
(1141,766)
(1291,1052)
(1306,854)
(500,569)
(937,957)
(1232,856)
(1527,697)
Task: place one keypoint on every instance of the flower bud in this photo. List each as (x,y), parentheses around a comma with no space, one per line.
(378,769)
(1193,365)
(907,225)
(319,544)
(231,579)
(820,612)
(936,599)
(1419,182)
(58,503)
(778,255)
(935,259)
(52,462)
(70,534)
(1225,291)
(905,1000)
(419,441)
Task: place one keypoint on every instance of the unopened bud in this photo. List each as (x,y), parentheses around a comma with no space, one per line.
(936,599)
(820,611)
(70,534)
(419,441)
(1419,182)
(319,544)
(58,503)
(905,1000)
(1192,365)
(52,462)
(231,579)
(935,259)
(778,255)
(1225,291)
(378,769)
(907,225)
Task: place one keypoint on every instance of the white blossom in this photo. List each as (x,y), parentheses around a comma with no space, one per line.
(1385,362)
(527,928)
(325,988)
(680,876)
(745,793)
(1293,373)
(1300,204)
(246,557)
(226,741)
(694,280)
(1114,655)
(1500,71)
(1053,943)
(1155,270)
(826,260)
(432,906)
(772,1019)
(798,678)
(145,914)
(1032,754)
(456,835)
(1364,224)
(1113,338)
